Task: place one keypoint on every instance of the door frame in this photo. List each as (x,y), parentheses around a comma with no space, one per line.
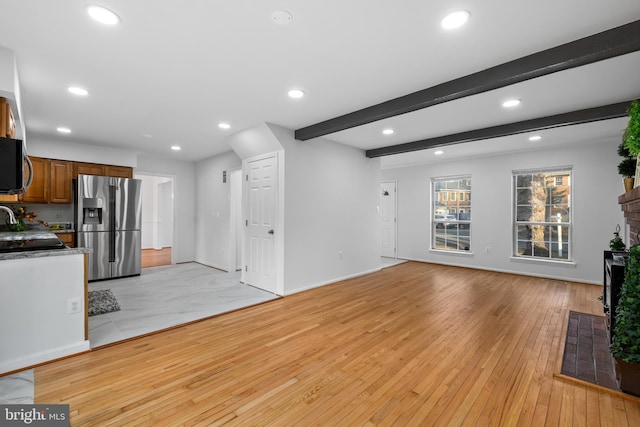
(395,222)
(236,231)
(279,235)
(172,178)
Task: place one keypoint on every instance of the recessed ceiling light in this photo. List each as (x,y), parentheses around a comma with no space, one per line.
(78,91)
(103,15)
(63,130)
(455,19)
(511,103)
(146,135)
(295,93)
(535,138)
(176,148)
(224,125)
(388,131)
(438,153)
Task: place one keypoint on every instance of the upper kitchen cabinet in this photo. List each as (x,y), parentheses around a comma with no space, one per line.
(38,191)
(60,173)
(101,170)
(87,169)
(12,124)
(118,171)
(7,122)
(51,182)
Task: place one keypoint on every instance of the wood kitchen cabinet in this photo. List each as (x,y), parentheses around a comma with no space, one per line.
(38,192)
(67,238)
(118,171)
(102,170)
(51,182)
(7,122)
(53,179)
(60,173)
(87,169)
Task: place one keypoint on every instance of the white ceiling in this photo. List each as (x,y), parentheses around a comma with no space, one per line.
(174,70)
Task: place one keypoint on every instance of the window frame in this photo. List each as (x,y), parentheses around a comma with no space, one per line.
(568,223)
(437,197)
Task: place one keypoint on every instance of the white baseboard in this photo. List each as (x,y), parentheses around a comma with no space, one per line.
(328,282)
(43,357)
(502,270)
(212,265)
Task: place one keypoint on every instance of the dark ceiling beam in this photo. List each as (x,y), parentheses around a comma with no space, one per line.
(607,44)
(611,111)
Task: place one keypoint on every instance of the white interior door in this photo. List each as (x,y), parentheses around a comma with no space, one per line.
(388,219)
(262,191)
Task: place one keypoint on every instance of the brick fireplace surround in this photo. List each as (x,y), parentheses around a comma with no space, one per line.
(630,205)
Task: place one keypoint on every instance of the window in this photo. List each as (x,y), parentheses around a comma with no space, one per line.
(451,214)
(542,214)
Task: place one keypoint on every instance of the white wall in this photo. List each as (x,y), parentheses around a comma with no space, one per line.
(331,199)
(77,152)
(183,174)
(213,203)
(596,186)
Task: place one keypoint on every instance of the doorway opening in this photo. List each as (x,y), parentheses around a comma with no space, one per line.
(388,219)
(157,220)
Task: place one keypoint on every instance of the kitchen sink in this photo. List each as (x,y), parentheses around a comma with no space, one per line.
(28,241)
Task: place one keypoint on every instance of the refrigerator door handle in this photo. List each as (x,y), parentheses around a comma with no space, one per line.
(112,219)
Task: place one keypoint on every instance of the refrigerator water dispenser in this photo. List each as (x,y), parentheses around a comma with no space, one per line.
(91,211)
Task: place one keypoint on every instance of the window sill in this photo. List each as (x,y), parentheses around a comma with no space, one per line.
(456,253)
(544,261)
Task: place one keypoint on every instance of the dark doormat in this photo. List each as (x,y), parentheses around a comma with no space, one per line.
(101,302)
(586,351)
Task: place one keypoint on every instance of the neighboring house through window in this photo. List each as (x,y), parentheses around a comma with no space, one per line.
(451,213)
(542,214)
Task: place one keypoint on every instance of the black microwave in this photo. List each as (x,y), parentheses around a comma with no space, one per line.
(12,164)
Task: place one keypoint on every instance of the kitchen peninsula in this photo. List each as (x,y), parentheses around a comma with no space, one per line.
(44,306)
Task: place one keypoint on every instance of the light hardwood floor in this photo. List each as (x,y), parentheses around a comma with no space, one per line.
(413,345)
(155,257)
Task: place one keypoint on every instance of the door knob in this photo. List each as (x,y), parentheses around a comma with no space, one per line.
(270,231)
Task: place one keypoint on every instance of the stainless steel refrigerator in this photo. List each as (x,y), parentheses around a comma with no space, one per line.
(108,220)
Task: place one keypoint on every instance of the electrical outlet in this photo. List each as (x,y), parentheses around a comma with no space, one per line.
(487,250)
(74,305)
(339,254)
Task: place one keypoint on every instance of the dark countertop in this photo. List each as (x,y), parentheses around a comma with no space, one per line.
(42,254)
(36,232)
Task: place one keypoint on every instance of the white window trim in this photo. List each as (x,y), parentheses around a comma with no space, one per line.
(432,213)
(514,238)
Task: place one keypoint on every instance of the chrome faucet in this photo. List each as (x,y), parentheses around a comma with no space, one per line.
(12,218)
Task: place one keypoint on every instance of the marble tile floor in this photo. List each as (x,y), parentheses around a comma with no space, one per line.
(166,296)
(17,389)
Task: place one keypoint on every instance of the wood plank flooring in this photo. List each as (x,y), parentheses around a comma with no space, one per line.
(155,257)
(413,345)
